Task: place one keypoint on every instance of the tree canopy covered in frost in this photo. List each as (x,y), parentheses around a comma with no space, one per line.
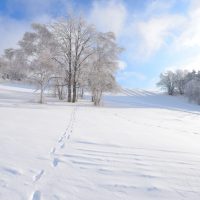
(103,66)
(38,47)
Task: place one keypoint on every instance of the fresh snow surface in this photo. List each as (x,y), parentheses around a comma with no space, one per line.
(140,145)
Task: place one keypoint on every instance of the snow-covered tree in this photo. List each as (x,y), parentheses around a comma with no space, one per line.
(167,82)
(3,70)
(187,83)
(75,39)
(180,80)
(103,66)
(192,90)
(38,47)
(14,64)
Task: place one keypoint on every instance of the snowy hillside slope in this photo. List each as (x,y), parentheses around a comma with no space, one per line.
(141,145)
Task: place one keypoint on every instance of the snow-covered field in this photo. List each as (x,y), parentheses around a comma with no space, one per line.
(139,145)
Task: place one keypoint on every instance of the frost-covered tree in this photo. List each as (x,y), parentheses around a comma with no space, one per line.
(84,38)
(14,64)
(180,80)
(187,83)
(3,70)
(103,66)
(62,32)
(167,82)
(38,47)
(190,76)
(75,39)
(192,90)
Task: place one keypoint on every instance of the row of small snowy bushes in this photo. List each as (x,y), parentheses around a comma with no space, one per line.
(182,82)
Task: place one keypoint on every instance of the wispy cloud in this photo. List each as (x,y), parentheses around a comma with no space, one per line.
(109,16)
(156,33)
(190,35)
(142,33)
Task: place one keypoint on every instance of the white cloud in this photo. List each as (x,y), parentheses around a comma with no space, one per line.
(155,33)
(188,63)
(190,35)
(154,29)
(143,33)
(187,43)
(158,7)
(109,16)
(177,32)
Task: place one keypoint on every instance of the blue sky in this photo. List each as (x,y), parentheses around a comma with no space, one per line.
(156,34)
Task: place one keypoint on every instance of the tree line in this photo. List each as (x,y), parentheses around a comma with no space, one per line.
(182,82)
(69,56)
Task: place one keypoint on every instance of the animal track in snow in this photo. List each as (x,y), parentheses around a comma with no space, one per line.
(36,195)
(55,162)
(53,150)
(38,176)
(59,145)
(11,171)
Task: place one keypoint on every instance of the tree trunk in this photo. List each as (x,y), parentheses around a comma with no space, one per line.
(69,90)
(60,92)
(41,94)
(97,98)
(55,91)
(74,92)
(82,93)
